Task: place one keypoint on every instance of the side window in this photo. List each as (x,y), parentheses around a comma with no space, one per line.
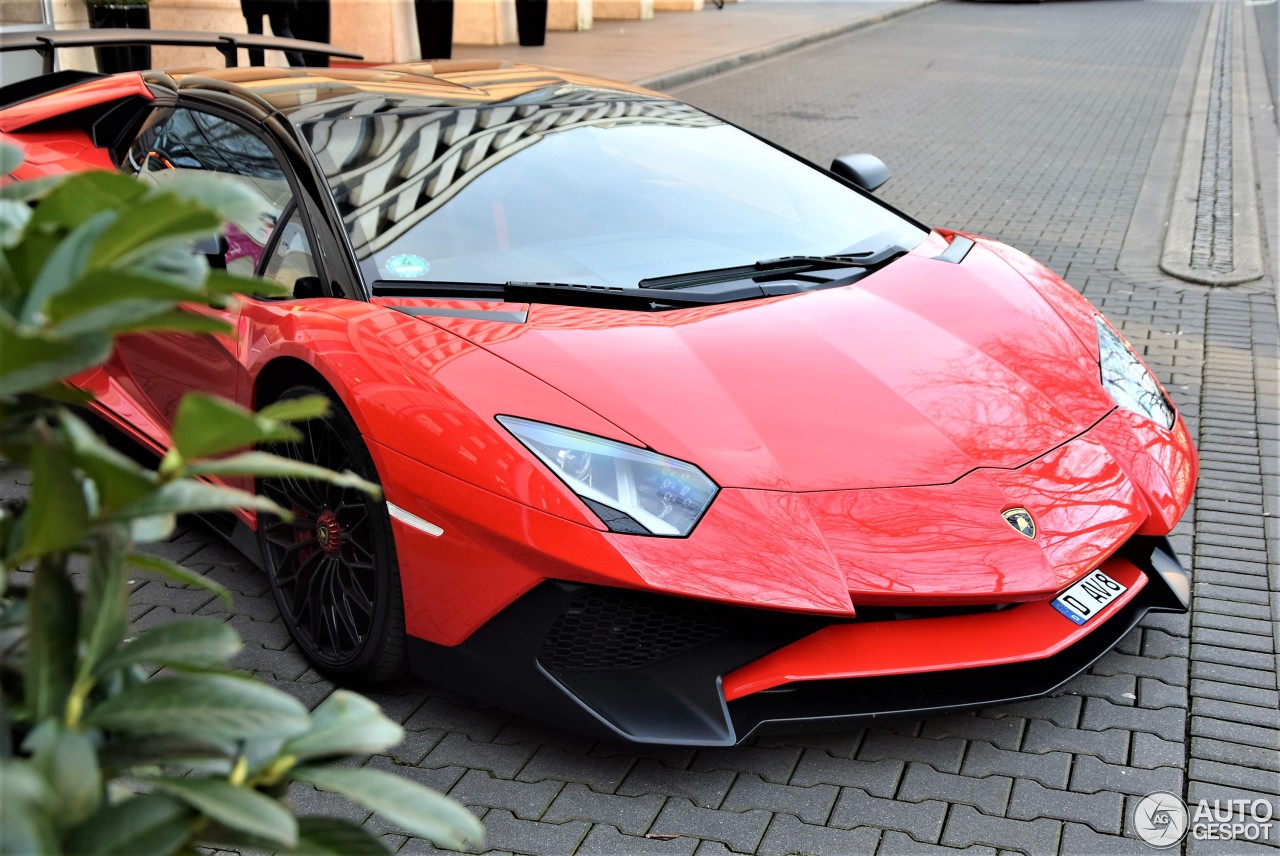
(289,260)
(185,140)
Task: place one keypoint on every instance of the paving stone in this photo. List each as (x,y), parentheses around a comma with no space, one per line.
(1090,775)
(438,779)
(601,774)
(1150,752)
(415,745)
(705,789)
(1153,694)
(1262,678)
(1050,768)
(712,848)
(526,800)
(1229,639)
(1100,714)
(1242,694)
(1111,745)
(788,835)
(1248,714)
(965,826)
(500,759)
(1263,781)
(604,840)
(1118,689)
(811,804)
(943,754)
(1004,733)
(1253,757)
(921,820)
(900,844)
(1103,811)
(508,832)
(518,729)
(631,815)
(1080,840)
(879,778)
(774,764)
(740,830)
(990,793)
(1157,643)
(1063,710)
(478,723)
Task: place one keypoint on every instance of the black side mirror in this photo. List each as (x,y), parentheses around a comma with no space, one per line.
(308,286)
(214,249)
(866,171)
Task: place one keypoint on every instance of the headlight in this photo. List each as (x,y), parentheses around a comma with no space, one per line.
(1127,379)
(632,490)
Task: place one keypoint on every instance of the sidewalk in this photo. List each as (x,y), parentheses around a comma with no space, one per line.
(673,48)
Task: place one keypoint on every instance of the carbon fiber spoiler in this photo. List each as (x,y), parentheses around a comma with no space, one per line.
(47,42)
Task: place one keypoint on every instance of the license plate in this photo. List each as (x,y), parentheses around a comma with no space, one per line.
(1088,597)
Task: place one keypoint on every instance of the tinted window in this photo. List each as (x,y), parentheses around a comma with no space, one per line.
(187,140)
(602,193)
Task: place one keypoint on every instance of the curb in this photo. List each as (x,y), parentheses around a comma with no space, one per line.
(689,74)
(1183,228)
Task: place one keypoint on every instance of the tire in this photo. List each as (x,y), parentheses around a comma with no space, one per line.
(333,568)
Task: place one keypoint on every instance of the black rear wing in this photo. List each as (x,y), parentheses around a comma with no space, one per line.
(47,42)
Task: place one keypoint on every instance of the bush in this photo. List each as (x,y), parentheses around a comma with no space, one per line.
(97,757)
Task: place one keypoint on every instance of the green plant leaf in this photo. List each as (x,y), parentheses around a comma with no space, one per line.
(152,222)
(329,836)
(25,799)
(267,464)
(156,527)
(124,754)
(33,359)
(10,158)
(217,707)
(198,642)
(60,269)
(416,809)
(237,808)
(29,189)
(345,723)
(177,321)
(188,496)
(296,409)
(99,291)
(14,216)
(205,426)
(219,282)
(117,479)
(143,825)
(176,572)
(84,195)
(104,607)
(56,517)
(51,634)
(68,760)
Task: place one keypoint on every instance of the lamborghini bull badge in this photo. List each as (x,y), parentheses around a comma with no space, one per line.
(1020,519)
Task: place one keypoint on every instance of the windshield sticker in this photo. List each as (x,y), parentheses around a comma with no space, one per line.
(406,266)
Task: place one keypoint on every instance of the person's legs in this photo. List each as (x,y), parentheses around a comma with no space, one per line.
(280,27)
(253,24)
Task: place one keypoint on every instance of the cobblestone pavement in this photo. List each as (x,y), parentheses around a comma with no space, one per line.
(1035,124)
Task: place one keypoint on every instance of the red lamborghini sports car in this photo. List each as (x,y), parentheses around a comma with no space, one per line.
(681,436)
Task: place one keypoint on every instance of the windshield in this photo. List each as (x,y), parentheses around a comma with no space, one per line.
(604,193)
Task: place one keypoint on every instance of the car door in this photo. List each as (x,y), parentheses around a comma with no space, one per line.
(152,371)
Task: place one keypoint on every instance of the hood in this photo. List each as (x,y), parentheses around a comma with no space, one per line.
(917,375)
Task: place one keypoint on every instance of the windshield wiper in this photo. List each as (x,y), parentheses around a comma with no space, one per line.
(784,266)
(579,294)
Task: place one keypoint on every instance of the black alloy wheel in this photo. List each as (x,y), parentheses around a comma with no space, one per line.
(333,567)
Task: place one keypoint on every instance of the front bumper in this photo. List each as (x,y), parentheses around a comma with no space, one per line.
(650,668)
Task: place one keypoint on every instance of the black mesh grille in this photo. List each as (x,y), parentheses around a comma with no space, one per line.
(612,629)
